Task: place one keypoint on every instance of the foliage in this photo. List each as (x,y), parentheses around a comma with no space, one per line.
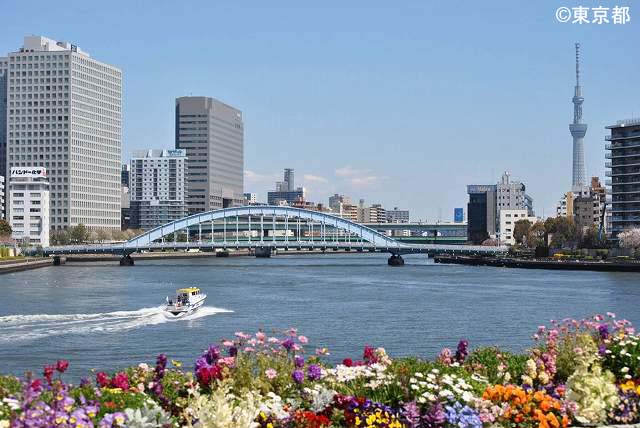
(5,228)
(630,239)
(562,229)
(536,235)
(521,230)
(497,366)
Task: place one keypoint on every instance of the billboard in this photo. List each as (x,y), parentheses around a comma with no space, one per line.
(28,172)
(458,215)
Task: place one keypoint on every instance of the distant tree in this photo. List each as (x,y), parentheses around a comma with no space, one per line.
(630,239)
(119,235)
(591,238)
(536,236)
(5,229)
(562,229)
(59,237)
(79,234)
(520,230)
(491,242)
(102,235)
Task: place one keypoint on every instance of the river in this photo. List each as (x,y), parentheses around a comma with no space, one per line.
(104,316)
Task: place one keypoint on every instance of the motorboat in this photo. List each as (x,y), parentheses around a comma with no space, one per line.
(185,302)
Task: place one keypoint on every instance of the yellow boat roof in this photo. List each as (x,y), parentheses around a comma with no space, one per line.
(188,290)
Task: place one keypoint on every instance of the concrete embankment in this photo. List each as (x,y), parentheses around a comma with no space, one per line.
(601,266)
(19,264)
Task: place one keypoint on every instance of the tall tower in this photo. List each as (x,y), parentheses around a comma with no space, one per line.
(578,130)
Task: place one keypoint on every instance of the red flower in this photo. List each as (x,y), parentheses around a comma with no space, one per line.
(369,355)
(102,379)
(62,365)
(308,419)
(36,385)
(207,374)
(120,380)
(347,362)
(48,373)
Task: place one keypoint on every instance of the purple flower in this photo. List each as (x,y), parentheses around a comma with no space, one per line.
(288,344)
(298,376)
(213,354)
(411,414)
(233,351)
(603,329)
(298,361)
(462,351)
(314,372)
(435,417)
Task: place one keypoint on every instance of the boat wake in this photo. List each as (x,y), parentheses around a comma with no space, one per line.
(29,327)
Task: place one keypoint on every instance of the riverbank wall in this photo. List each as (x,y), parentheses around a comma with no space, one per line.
(507,262)
(20,264)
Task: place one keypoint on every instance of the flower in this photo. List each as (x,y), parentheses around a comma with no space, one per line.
(303,340)
(314,372)
(120,380)
(298,376)
(102,379)
(62,365)
(271,373)
(298,361)
(287,344)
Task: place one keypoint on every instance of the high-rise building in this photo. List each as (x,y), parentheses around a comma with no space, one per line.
(398,216)
(29,205)
(250,198)
(285,191)
(511,195)
(4,64)
(158,189)
(481,212)
(212,133)
(125,175)
(64,113)
(578,130)
(338,203)
(623,168)
(2,203)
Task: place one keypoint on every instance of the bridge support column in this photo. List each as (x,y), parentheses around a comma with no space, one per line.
(263,252)
(222,253)
(395,260)
(59,260)
(126,260)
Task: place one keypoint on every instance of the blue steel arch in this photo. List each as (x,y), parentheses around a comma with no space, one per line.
(367,234)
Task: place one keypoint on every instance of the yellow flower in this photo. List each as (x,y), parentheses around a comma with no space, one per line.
(176,363)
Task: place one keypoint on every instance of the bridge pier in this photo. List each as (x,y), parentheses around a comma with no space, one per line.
(395,260)
(59,260)
(126,260)
(222,254)
(263,252)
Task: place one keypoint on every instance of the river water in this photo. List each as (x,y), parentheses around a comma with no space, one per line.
(104,316)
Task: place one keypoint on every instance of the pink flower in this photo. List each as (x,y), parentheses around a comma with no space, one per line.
(611,314)
(303,339)
(102,379)
(273,340)
(293,332)
(322,351)
(227,343)
(241,335)
(260,336)
(62,365)
(249,349)
(227,361)
(120,380)
(271,373)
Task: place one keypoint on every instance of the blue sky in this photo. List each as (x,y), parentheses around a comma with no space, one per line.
(399,103)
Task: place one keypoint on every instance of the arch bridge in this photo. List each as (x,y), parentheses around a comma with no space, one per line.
(263,229)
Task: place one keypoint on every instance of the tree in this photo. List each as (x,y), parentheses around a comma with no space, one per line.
(520,230)
(536,235)
(630,239)
(5,229)
(102,235)
(562,229)
(79,234)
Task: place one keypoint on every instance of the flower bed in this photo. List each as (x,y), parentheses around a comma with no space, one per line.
(578,372)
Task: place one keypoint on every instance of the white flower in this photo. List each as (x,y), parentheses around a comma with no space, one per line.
(624,369)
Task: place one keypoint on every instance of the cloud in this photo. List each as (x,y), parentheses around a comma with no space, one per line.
(254,177)
(308,178)
(359,177)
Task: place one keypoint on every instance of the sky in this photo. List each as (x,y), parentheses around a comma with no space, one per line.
(400,103)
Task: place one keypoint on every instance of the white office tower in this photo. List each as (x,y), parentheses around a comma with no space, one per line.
(2,203)
(158,189)
(28,194)
(64,113)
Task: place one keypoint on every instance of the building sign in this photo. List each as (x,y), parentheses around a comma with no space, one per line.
(30,172)
(481,188)
(176,153)
(458,215)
